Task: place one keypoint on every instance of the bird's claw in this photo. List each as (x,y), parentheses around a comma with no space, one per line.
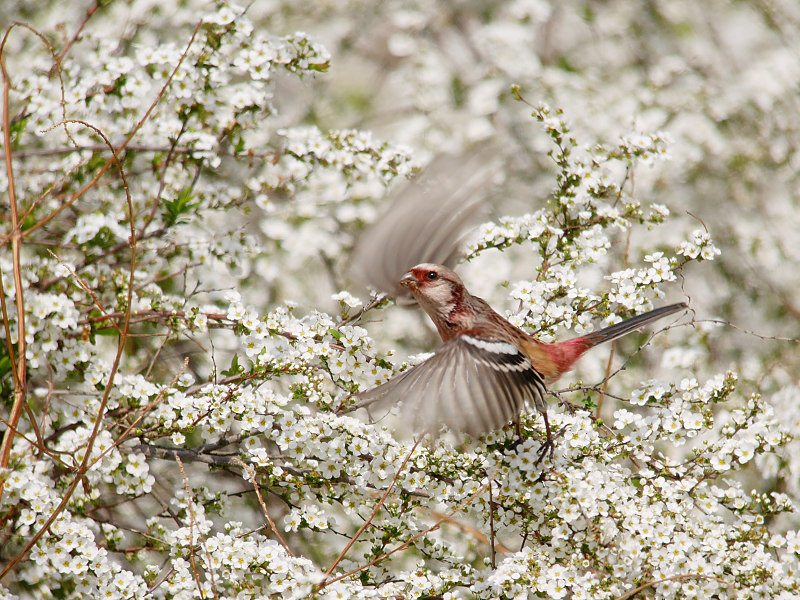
(549,445)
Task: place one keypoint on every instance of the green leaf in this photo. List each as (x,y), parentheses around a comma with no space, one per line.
(182,205)
(5,366)
(235,367)
(239,146)
(107,331)
(16,127)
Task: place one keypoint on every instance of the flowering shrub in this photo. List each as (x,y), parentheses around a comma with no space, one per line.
(181,341)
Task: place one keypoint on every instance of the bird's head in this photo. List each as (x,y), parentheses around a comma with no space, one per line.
(437,289)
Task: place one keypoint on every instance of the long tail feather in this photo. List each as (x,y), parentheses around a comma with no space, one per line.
(629,325)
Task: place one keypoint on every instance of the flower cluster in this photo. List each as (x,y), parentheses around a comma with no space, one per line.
(699,246)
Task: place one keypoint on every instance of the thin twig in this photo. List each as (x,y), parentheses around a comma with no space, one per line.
(498,547)
(193,528)
(374,512)
(374,301)
(628,172)
(68,45)
(748,331)
(604,386)
(491,527)
(18,360)
(252,473)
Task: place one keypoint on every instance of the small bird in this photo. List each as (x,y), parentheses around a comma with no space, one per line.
(487,369)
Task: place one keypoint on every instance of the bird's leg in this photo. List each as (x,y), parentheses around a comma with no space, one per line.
(549,445)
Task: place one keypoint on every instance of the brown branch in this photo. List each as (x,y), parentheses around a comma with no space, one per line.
(203,455)
(375,510)
(163,180)
(252,473)
(496,546)
(124,435)
(68,46)
(188,455)
(270,154)
(193,526)
(18,361)
(113,250)
(82,468)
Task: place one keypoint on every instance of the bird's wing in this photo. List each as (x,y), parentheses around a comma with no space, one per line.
(470,384)
(426,222)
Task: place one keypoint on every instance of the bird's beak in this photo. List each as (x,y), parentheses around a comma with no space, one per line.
(409,281)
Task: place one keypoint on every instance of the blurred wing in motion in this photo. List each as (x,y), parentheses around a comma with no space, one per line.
(470,385)
(427,221)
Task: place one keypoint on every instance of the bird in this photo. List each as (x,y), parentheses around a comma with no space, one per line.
(487,370)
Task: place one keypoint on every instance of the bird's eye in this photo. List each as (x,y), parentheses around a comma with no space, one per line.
(432,275)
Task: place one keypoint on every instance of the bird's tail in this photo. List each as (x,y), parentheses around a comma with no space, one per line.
(627,326)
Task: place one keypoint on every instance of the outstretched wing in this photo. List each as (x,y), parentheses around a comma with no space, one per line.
(470,384)
(426,222)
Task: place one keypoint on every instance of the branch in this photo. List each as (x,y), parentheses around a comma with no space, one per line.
(252,473)
(18,361)
(375,510)
(188,455)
